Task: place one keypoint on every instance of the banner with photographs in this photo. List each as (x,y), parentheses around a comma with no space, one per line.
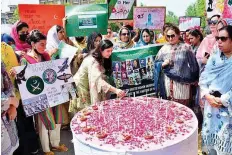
(121,9)
(44,85)
(84,19)
(133,69)
(189,23)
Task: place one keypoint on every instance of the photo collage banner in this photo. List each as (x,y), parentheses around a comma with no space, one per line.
(133,69)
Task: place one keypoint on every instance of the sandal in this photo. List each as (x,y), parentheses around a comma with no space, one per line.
(61,148)
(49,153)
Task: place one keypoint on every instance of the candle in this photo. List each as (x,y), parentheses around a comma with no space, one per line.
(134,124)
(86,123)
(166,111)
(101,129)
(99,113)
(134,94)
(118,122)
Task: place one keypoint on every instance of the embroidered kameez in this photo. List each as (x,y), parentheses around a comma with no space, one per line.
(217,126)
(91,84)
(9,135)
(175,90)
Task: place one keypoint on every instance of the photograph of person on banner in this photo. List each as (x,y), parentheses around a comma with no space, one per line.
(149,63)
(129,67)
(116,66)
(137,77)
(118,83)
(136,64)
(117,75)
(142,62)
(131,80)
(125,78)
(143,73)
(123,66)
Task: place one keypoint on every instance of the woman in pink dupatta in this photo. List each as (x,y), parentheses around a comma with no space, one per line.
(19,33)
(208,42)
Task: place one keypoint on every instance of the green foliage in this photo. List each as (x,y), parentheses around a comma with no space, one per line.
(191,10)
(197,9)
(171,18)
(15,16)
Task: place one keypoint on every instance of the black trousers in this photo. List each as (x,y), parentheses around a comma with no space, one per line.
(28,138)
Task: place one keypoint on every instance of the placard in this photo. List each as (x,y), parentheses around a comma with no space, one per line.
(152,18)
(41,17)
(44,85)
(214,7)
(189,23)
(121,9)
(84,19)
(133,69)
(227,13)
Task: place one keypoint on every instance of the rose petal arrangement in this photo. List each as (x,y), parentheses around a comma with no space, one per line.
(138,123)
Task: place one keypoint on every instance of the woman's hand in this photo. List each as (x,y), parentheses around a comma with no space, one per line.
(120,93)
(165,63)
(53,51)
(12,112)
(213,101)
(12,72)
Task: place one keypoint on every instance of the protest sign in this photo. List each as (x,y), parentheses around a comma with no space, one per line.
(65,51)
(149,17)
(44,85)
(189,23)
(133,69)
(214,7)
(121,9)
(84,19)
(227,13)
(41,17)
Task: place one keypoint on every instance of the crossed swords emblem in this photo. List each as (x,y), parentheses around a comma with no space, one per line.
(35,87)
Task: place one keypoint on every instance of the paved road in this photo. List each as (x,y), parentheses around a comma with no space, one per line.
(66,138)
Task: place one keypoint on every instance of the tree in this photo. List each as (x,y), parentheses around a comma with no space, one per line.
(197,9)
(171,18)
(191,10)
(15,16)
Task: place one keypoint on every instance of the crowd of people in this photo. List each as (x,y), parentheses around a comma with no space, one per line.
(191,68)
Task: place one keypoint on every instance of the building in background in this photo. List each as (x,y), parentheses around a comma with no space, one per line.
(5,16)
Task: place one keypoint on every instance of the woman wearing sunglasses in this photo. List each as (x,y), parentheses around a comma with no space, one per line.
(208,42)
(175,69)
(125,40)
(216,92)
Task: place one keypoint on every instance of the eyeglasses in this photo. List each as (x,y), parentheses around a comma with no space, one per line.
(212,22)
(171,36)
(223,39)
(125,34)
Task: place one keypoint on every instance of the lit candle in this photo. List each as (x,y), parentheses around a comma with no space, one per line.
(118,122)
(134,124)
